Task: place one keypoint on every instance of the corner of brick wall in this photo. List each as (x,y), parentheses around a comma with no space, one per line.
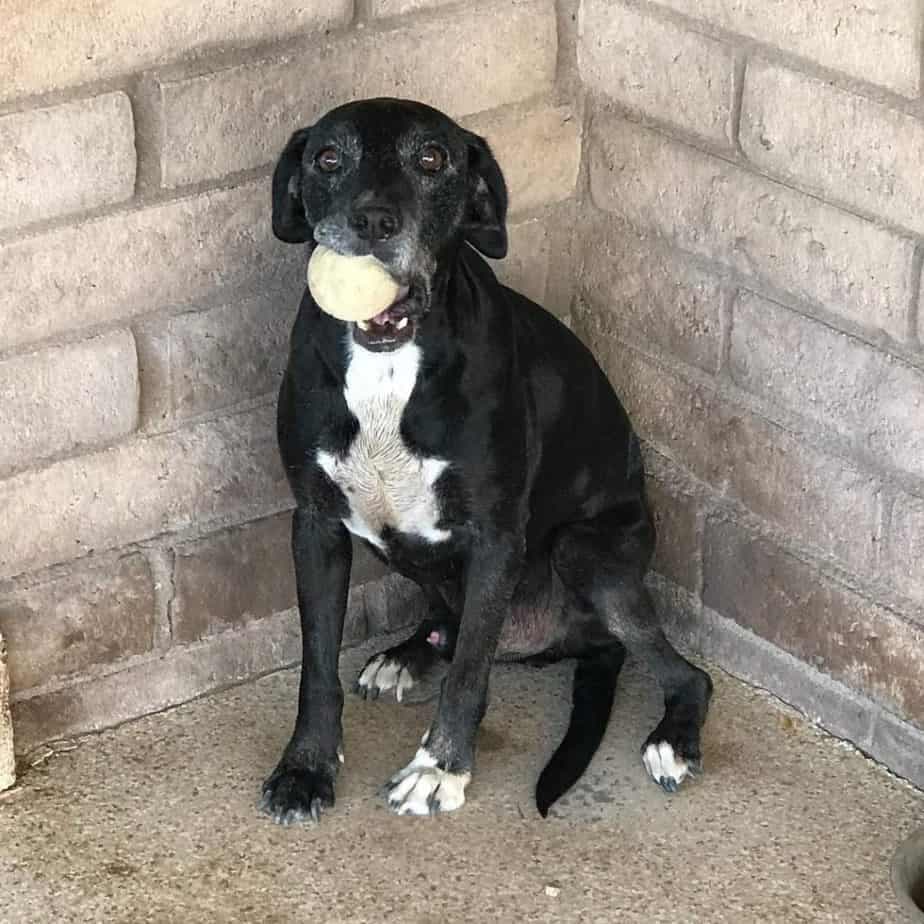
(751,247)
(145,309)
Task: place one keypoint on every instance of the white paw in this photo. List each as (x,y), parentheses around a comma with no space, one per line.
(382,674)
(664,766)
(421,788)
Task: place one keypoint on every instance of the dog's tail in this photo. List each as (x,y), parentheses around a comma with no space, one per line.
(591,703)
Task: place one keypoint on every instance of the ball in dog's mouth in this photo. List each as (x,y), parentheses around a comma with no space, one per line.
(360,289)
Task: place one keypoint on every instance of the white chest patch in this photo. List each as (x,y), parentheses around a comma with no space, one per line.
(384,482)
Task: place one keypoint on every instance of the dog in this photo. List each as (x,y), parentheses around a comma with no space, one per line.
(472,442)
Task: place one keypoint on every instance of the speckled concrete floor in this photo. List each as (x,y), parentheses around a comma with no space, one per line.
(157,821)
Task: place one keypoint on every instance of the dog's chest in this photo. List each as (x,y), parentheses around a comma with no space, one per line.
(385,483)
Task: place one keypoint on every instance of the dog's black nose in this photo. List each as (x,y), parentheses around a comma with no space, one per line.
(374,223)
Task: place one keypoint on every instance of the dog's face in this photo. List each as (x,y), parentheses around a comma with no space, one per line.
(399,180)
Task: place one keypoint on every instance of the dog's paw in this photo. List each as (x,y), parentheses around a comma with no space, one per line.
(423,788)
(382,674)
(295,794)
(670,762)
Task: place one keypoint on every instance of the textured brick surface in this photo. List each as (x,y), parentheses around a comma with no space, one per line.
(839,145)
(793,606)
(79,394)
(242,117)
(900,747)
(539,151)
(677,553)
(834,379)
(650,293)
(183,673)
(398,7)
(814,497)
(114,36)
(65,158)
(526,266)
(188,671)
(232,578)
(206,360)
(129,264)
(657,67)
(227,467)
(98,613)
(7,754)
(754,225)
(879,41)
(904,554)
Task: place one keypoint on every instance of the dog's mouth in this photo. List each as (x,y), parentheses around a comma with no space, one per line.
(391,328)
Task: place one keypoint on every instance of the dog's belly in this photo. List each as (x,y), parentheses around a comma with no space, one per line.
(389,488)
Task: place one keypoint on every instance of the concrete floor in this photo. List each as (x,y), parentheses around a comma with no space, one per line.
(157,821)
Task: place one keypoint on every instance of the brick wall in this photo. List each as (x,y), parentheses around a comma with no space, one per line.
(752,236)
(145,309)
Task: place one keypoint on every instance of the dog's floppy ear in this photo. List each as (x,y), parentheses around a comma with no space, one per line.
(485,222)
(289,222)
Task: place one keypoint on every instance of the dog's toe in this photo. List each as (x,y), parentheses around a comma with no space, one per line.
(424,788)
(666,766)
(383,674)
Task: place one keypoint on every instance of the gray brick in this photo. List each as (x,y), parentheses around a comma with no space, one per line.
(793,606)
(904,552)
(539,151)
(657,67)
(206,360)
(839,145)
(241,117)
(758,227)
(232,578)
(831,378)
(900,746)
(226,468)
(95,614)
(526,266)
(77,395)
(649,293)
(66,158)
(677,552)
(879,42)
(120,36)
(398,7)
(814,497)
(129,264)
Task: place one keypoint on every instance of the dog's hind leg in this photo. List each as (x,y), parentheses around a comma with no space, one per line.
(408,664)
(603,560)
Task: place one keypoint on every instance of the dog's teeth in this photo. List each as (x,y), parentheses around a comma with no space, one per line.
(363,325)
(402,324)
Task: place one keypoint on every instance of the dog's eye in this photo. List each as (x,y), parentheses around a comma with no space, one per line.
(432,159)
(328,160)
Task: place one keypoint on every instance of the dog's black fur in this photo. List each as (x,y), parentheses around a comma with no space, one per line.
(542,534)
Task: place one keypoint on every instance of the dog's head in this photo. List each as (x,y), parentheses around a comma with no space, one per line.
(399,180)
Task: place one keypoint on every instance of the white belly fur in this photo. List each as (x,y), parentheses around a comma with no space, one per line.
(384,482)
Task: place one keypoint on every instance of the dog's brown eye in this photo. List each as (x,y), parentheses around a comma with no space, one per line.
(432,159)
(328,159)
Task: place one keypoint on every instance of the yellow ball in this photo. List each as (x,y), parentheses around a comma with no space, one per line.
(350,288)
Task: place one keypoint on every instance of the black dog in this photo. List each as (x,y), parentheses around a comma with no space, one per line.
(474,443)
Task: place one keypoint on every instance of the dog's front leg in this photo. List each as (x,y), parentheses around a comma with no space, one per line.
(436,778)
(303,781)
